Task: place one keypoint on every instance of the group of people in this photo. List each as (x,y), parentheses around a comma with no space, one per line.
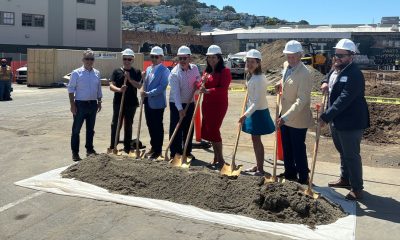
(6,77)
(346,112)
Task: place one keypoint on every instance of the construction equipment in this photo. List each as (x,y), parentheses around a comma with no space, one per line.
(319,60)
(274,178)
(137,153)
(166,157)
(182,160)
(319,108)
(232,170)
(121,108)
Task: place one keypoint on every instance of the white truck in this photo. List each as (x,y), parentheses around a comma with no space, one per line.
(236,62)
(21,74)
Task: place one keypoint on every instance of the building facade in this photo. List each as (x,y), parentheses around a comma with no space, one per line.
(73,24)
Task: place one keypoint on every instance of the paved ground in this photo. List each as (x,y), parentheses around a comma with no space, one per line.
(35,134)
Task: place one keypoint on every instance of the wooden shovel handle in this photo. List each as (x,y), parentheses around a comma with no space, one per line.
(233,163)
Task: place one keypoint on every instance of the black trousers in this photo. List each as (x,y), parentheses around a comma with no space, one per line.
(154,120)
(86,111)
(128,113)
(180,138)
(294,152)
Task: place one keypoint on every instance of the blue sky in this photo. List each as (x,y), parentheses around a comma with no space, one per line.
(317,12)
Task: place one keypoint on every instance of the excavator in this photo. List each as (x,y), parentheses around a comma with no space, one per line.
(320,60)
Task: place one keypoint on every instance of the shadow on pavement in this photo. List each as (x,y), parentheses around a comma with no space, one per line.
(379,207)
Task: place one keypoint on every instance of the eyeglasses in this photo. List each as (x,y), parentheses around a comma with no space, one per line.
(127,59)
(154,57)
(183,58)
(89,59)
(339,56)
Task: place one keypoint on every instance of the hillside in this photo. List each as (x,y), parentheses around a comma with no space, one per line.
(138,2)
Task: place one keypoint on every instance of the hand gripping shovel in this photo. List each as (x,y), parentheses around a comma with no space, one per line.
(274,178)
(166,157)
(138,154)
(233,170)
(116,140)
(319,108)
(182,161)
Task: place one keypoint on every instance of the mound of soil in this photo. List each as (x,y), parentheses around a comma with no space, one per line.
(206,189)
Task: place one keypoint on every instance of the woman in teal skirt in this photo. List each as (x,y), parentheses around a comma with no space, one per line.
(256,120)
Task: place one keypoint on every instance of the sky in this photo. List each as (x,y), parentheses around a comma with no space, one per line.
(317,12)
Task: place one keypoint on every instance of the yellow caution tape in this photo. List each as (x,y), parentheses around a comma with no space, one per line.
(393,101)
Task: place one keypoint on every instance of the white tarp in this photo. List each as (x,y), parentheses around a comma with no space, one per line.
(343,228)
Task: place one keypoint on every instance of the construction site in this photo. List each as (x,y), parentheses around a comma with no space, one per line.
(118,195)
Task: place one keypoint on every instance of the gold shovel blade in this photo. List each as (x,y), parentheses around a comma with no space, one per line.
(311,193)
(231,171)
(177,161)
(272,179)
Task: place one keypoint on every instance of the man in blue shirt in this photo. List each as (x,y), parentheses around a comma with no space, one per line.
(85,95)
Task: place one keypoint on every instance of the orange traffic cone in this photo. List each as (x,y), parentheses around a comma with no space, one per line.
(197,121)
(279,149)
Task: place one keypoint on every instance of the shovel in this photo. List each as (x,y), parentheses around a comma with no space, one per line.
(309,190)
(137,153)
(274,178)
(233,170)
(116,140)
(166,157)
(182,161)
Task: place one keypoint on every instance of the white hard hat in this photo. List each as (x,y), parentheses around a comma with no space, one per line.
(183,50)
(293,46)
(157,51)
(213,50)
(254,54)
(128,52)
(346,44)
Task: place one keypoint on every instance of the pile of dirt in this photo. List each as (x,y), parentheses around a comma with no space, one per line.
(272,55)
(206,189)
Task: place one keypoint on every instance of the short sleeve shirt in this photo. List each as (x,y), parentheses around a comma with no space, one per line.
(118,77)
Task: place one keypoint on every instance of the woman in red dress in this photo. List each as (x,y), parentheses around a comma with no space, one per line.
(215,101)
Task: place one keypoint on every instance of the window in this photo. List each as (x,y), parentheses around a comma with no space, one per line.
(7,18)
(32,20)
(86,24)
(87,1)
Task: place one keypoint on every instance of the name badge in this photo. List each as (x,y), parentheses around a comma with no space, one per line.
(343,79)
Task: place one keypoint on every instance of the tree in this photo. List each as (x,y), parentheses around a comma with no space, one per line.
(228,8)
(303,22)
(195,24)
(213,7)
(271,21)
(187,14)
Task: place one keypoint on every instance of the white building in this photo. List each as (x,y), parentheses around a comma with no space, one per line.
(60,24)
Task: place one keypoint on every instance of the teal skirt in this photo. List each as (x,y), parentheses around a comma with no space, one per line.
(259,123)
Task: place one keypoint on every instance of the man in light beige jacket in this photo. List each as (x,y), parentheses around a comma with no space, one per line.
(295,114)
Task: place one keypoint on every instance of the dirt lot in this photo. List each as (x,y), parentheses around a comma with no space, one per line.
(206,189)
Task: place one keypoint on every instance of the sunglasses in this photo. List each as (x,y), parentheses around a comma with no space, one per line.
(339,56)
(127,59)
(154,57)
(182,58)
(89,59)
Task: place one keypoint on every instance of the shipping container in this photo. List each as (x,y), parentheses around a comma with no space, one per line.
(47,67)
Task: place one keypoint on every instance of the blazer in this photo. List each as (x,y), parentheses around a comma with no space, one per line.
(296,97)
(155,87)
(347,107)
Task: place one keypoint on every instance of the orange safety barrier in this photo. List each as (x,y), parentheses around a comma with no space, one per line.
(279,149)
(197,121)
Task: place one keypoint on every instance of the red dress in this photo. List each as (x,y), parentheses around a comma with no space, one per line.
(215,105)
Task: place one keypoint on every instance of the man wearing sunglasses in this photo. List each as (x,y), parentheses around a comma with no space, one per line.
(183,80)
(154,94)
(85,95)
(348,116)
(133,82)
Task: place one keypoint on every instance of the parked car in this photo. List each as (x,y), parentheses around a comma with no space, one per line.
(21,74)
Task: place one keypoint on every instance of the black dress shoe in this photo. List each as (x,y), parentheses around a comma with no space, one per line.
(154,155)
(340,183)
(91,152)
(76,157)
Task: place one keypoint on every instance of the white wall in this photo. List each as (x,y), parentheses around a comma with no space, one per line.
(18,34)
(85,38)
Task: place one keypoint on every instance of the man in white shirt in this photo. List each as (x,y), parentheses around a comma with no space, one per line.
(183,79)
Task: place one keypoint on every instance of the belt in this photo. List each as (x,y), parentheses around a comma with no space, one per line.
(86,101)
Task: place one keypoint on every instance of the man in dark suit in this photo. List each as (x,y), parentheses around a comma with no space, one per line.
(347,115)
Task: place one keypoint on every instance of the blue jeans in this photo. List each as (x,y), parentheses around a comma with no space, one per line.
(86,111)
(4,92)
(294,153)
(347,143)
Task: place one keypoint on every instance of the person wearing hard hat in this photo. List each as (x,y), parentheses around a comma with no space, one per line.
(347,114)
(183,79)
(133,82)
(256,119)
(295,114)
(154,94)
(6,77)
(215,101)
(84,90)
